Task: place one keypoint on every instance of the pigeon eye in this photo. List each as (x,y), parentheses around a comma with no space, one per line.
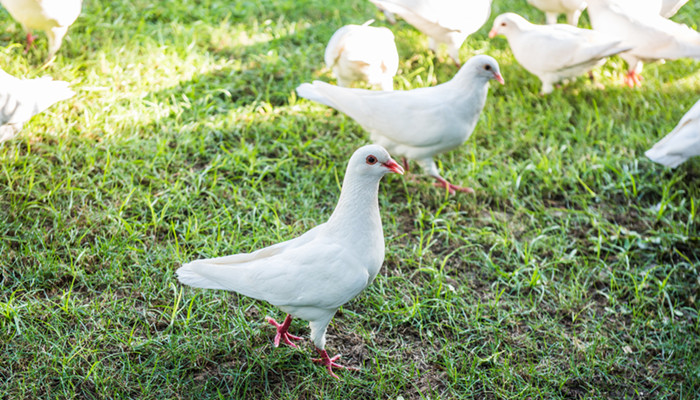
(503,24)
(371,160)
(487,67)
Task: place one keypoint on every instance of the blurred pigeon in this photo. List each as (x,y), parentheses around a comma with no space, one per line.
(21,99)
(417,124)
(554,52)
(54,17)
(363,53)
(681,143)
(650,36)
(444,21)
(311,276)
(552,8)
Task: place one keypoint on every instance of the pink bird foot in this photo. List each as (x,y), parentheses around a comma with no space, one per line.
(330,362)
(282,333)
(30,40)
(633,79)
(443,184)
(404,161)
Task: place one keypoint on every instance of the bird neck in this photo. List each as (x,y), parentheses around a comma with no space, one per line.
(478,85)
(358,206)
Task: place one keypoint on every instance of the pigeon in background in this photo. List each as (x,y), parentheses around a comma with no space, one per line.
(554,52)
(444,21)
(681,143)
(420,123)
(552,8)
(311,276)
(363,53)
(650,36)
(54,17)
(21,99)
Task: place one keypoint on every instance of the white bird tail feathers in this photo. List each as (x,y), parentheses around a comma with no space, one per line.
(670,160)
(49,92)
(310,91)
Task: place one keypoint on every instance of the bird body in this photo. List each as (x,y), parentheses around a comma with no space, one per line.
(650,36)
(53,17)
(363,53)
(443,21)
(311,276)
(21,99)
(669,8)
(419,123)
(681,143)
(554,52)
(552,8)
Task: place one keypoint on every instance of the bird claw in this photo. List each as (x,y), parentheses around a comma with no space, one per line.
(282,333)
(30,40)
(443,184)
(330,363)
(633,79)
(404,161)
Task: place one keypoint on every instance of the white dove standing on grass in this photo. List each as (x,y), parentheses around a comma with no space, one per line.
(552,8)
(21,99)
(650,36)
(311,276)
(54,17)
(363,53)
(420,123)
(681,143)
(554,52)
(444,21)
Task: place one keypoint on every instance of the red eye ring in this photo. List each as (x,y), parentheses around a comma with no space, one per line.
(371,160)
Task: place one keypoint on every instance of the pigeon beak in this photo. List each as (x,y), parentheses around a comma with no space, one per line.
(499,78)
(493,33)
(393,166)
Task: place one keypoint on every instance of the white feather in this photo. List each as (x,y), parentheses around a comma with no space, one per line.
(21,99)
(681,143)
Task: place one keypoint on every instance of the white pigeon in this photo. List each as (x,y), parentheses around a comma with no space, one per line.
(554,52)
(54,17)
(311,276)
(363,53)
(444,21)
(420,123)
(552,8)
(21,99)
(649,35)
(681,143)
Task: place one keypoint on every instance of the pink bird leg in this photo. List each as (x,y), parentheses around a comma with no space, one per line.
(282,331)
(404,161)
(30,40)
(442,183)
(330,362)
(633,79)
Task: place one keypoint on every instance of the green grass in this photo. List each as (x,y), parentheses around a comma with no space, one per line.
(571,274)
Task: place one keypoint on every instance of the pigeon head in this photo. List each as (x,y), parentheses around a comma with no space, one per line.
(373,160)
(485,67)
(506,24)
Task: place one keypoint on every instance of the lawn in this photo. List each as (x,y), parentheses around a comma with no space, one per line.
(572,273)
